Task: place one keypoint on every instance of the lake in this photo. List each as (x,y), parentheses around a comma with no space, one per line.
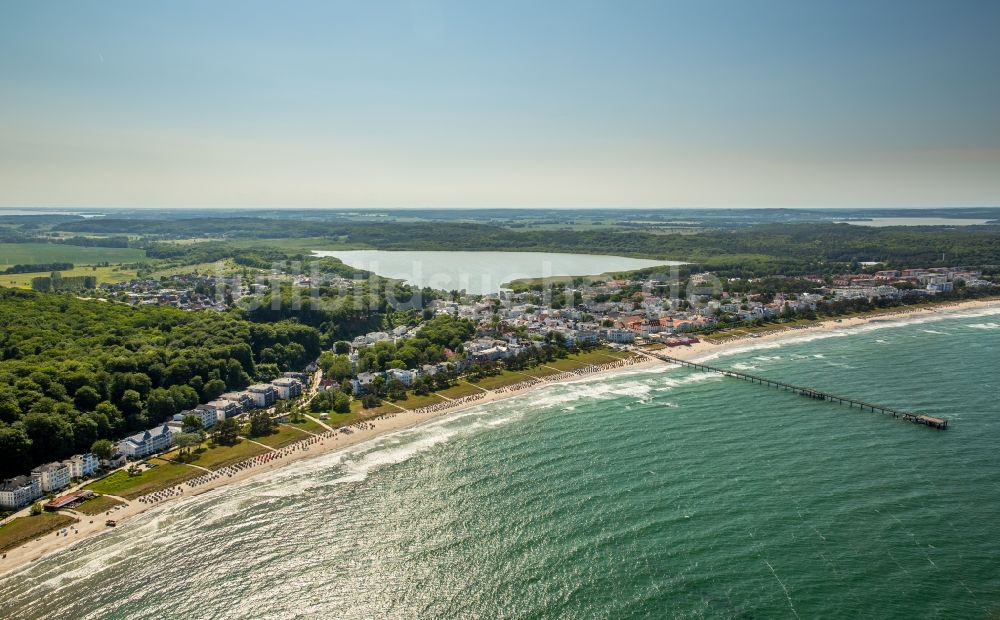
(879,222)
(482,273)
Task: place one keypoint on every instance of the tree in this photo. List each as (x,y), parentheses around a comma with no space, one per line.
(51,436)
(341,402)
(85,432)
(184,396)
(130,403)
(213,389)
(110,413)
(103,448)
(15,449)
(396,390)
(342,347)
(335,367)
(160,405)
(10,411)
(192,422)
(185,441)
(36,509)
(86,398)
(227,432)
(261,424)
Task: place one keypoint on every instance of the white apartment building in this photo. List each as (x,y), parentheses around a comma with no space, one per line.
(52,476)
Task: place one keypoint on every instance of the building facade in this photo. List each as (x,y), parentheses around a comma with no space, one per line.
(18,492)
(147,442)
(52,476)
(263,394)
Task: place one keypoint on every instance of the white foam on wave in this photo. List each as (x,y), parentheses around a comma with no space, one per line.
(985,326)
(111,548)
(763,346)
(565,393)
(886,323)
(399,446)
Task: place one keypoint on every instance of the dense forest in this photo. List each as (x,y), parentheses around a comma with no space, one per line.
(74,371)
(763,249)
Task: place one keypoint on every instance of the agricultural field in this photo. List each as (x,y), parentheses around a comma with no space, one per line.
(25,253)
(105,275)
(225,267)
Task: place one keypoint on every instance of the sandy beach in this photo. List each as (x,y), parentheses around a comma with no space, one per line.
(364,431)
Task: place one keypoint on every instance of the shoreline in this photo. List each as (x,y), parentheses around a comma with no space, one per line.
(703,347)
(360,432)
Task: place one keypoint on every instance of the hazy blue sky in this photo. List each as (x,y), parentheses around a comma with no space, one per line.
(659,104)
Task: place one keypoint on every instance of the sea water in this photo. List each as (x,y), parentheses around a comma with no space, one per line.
(664,493)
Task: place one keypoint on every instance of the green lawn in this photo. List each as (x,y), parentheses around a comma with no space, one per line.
(357,414)
(566,365)
(539,371)
(597,356)
(23,529)
(105,275)
(458,391)
(346,419)
(162,476)
(27,253)
(220,456)
(285,435)
(97,504)
(357,408)
(505,378)
(618,354)
(309,425)
(414,401)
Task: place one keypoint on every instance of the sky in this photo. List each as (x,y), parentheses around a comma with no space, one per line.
(500,104)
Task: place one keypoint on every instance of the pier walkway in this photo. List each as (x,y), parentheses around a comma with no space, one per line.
(916,418)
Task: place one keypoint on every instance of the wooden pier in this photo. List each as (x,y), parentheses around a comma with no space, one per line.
(916,418)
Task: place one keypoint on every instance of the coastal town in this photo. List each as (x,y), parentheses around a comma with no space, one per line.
(505,330)
(615,310)
(421,309)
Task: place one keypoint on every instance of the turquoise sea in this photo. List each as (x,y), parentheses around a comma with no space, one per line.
(653,494)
